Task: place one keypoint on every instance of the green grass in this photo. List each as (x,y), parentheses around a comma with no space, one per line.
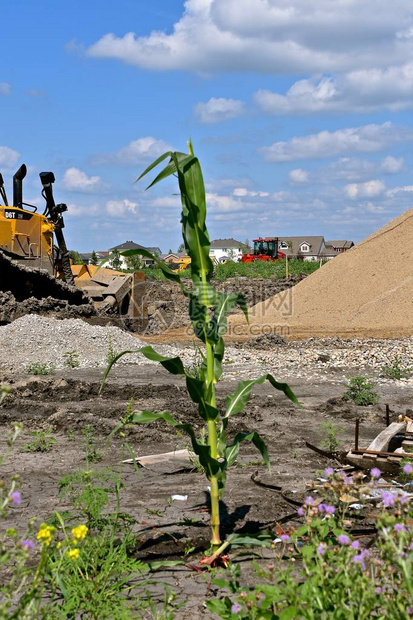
(260,269)
(257,269)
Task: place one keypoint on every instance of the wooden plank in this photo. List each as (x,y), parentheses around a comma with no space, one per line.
(381,442)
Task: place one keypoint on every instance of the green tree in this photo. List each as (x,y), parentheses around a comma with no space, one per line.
(75,257)
(181,248)
(115,260)
(94,258)
(133,263)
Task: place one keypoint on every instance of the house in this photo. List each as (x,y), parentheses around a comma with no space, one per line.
(222,250)
(131,245)
(169,258)
(340,246)
(87,257)
(308,248)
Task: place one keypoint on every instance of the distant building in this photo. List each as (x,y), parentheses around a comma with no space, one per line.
(312,247)
(226,249)
(131,245)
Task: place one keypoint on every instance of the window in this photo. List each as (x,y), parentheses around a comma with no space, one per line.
(304,247)
(283,245)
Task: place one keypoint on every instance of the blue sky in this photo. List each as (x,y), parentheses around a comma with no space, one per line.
(299,112)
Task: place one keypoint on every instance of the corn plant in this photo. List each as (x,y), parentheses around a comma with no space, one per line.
(208,310)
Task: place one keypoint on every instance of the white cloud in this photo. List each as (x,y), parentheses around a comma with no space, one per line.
(136,152)
(392,165)
(5,88)
(364,90)
(243,191)
(120,208)
(369,189)
(219,110)
(298,176)
(8,157)
(274,37)
(76,180)
(368,138)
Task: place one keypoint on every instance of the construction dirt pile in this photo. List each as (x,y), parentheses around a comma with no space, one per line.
(365,292)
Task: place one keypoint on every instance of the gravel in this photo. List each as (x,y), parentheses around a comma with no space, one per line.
(33,338)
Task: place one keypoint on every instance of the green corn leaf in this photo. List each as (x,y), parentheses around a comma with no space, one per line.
(261,539)
(154,164)
(236,401)
(232,450)
(173,365)
(168,273)
(224,305)
(196,389)
(211,466)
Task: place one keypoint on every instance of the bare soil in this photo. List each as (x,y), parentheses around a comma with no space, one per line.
(165,528)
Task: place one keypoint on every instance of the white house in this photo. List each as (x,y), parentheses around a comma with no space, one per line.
(226,249)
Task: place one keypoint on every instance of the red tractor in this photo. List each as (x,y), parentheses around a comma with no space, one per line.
(265,249)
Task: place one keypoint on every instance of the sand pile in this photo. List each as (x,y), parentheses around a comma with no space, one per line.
(366,292)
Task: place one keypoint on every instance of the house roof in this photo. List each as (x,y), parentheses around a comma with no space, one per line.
(128,245)
(340,244)
(316,243)
(329,251)
(226,243)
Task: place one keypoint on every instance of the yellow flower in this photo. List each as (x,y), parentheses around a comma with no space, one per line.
(79,532)
(45,534)
(73,554)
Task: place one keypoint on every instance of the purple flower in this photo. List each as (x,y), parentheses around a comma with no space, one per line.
(399,527)
(408,469)
(388,499)
(309,501)
(330,510)
(411,546)
(343,539)
(300,511)
(321,548)
(348,480)
(285,537)
(329,471)
(322,508)
(27,545)
(236,608)
(379,590)
(375,472)
(355,544)
(359,559)
(16,498)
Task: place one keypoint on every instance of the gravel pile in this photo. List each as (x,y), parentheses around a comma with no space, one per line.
(33,338)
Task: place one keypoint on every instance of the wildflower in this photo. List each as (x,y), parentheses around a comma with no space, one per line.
(321,548)
(79,532)
(309,501)
(411,546)
(329,471)
(45,534)
(379,590)
(236,608)
(355,544)
(375,472)
(322,508)
(399,527)
(348,480)
(73,554)
(408,469)
(285,538)
(300,511)
(343,539)
(388,499)
(359,559)
(27,545)
(15,498)
(330,510)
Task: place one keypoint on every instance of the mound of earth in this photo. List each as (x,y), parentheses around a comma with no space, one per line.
(365,292)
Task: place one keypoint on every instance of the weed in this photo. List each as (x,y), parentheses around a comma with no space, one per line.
(111,354)
(42,441)
(38,368)
(361,392)
(71,359)
(330,434)
(395,370)
(71,435)
(92,453)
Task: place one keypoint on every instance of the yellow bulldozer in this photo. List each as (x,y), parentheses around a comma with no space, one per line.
(35,262)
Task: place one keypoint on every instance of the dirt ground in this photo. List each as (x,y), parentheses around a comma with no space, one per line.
(166,528)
